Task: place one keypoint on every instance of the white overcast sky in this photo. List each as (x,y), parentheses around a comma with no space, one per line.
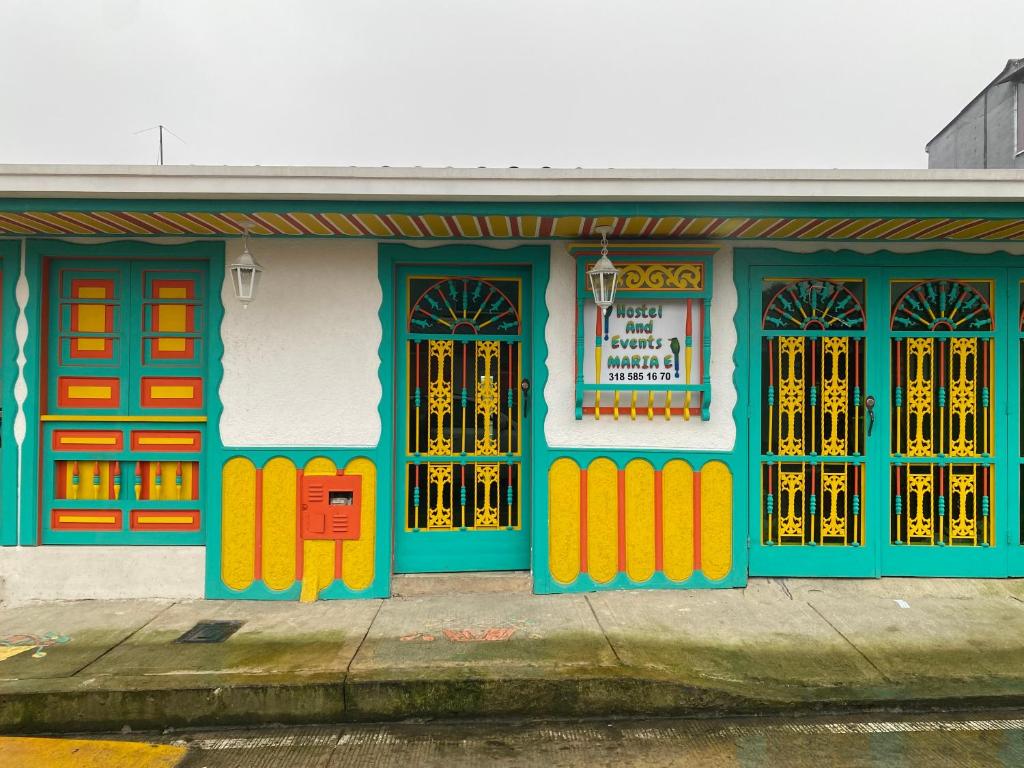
(563,83)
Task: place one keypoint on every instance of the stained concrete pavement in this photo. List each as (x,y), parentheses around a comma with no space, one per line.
(793,646)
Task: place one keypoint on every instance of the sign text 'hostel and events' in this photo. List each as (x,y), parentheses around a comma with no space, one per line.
(641,342)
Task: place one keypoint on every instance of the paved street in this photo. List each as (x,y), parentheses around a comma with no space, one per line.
(979,739)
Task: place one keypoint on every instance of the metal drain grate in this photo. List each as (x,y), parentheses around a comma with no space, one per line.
(210,632)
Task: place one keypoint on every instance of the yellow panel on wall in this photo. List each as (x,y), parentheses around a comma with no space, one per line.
(317,556)
(677,519)
(564,520)
(238,523)
(602,520)
(639,520)
(357,554)
(279,523)
(716,520)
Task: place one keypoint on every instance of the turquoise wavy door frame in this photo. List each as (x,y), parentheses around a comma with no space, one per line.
(479,513)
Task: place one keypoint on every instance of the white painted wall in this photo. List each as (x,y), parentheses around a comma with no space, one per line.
(301,362)
(100,573)
(561,427)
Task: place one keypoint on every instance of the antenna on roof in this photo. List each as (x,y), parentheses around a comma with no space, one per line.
(161,128)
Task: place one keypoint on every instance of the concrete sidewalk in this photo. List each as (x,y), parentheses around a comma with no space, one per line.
(776,646)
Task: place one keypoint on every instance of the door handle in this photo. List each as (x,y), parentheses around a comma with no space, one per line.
(524,385)
(869,404)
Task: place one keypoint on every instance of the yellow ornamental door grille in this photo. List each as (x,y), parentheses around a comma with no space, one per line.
(464,374)
(812,438)
(942,365)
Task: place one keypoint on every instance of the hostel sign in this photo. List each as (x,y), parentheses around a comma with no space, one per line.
(642,341)
(648,355)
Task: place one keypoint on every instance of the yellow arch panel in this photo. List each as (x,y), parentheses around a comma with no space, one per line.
(639,520)
(279,523)
(238,523)
(715,520)
(564,520)
(602,520)
(677,519)
(317,556)
(357,555)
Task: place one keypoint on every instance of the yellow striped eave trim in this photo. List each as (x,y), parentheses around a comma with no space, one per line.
(401,226)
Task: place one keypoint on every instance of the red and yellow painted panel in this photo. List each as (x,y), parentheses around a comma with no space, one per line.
(87,440)
(88,392)
(85,519)
(123,479)
(166,481)
(126,336)
(164,520)
(86,311)
(188,441)
(172,303)
(261,528)
(78,479)
(637,521)
(172,392)
(90,319)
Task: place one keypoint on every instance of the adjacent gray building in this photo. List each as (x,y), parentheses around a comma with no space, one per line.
(989,131)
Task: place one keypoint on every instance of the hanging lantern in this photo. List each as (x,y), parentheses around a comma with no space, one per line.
(603,275)
(245,273)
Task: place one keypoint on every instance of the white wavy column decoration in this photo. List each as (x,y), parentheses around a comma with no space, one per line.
(20,385)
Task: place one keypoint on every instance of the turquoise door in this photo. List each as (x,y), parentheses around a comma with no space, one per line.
(817,512)
(1015,422)
(462,409)
(945,461)
(875,441)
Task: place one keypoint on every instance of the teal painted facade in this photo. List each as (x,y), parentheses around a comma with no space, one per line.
(396,261)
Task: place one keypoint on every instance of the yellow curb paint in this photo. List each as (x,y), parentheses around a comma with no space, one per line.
(83,753)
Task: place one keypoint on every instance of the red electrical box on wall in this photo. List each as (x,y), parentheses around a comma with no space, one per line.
(330,506)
